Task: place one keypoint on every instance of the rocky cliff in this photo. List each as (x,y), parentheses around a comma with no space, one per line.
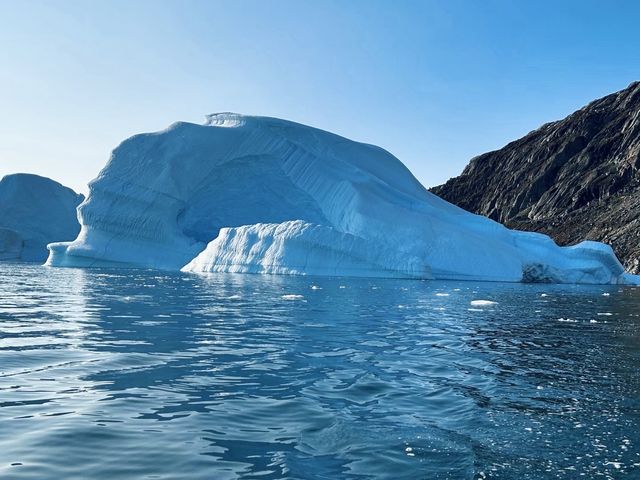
(574,179)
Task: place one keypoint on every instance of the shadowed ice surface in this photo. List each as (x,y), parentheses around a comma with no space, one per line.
(139,374)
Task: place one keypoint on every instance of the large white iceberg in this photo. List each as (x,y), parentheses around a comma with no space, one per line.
(262,195)
(35,211)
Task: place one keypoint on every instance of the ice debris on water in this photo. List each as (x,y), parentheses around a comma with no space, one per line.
(292,296)
(483,303)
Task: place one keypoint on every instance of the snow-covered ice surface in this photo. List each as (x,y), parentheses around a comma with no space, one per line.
(35,211)
(262,195)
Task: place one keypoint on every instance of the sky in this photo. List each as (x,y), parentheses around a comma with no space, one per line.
(433,82)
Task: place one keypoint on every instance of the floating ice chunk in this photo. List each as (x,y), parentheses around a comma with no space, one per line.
(483,303)
(440,294)
(292,296)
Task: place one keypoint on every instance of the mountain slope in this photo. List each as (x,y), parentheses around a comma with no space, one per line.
(35,211)
(574,179)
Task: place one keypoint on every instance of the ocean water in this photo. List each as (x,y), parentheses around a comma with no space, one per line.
(121,374)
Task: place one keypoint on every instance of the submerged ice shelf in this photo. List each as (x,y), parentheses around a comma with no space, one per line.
(263,195)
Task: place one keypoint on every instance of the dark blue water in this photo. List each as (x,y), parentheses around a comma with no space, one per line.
(126,374)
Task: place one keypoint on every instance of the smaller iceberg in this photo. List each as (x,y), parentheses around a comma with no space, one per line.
(34,212)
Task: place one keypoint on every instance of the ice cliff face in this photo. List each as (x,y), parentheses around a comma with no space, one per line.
(35,211)
(297,247)
(256,194)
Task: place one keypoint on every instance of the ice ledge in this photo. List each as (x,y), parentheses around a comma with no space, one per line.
(225,120)
(300,248)
(629,279)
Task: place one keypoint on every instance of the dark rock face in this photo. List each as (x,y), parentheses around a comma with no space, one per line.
(574,179)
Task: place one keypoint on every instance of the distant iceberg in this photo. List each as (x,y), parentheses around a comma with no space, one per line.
(262,195)
(35,211)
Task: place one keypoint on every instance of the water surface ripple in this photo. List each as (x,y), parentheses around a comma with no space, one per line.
(110,374)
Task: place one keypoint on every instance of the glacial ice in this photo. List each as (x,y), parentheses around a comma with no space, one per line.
(297,247)
(35,211)
(263,195)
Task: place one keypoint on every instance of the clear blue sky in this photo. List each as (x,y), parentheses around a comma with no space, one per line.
(434,82)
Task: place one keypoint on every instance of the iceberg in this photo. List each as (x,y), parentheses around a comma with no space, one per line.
(263,195)
(35,211)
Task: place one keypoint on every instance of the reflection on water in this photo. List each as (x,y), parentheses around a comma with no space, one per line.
(138,374)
